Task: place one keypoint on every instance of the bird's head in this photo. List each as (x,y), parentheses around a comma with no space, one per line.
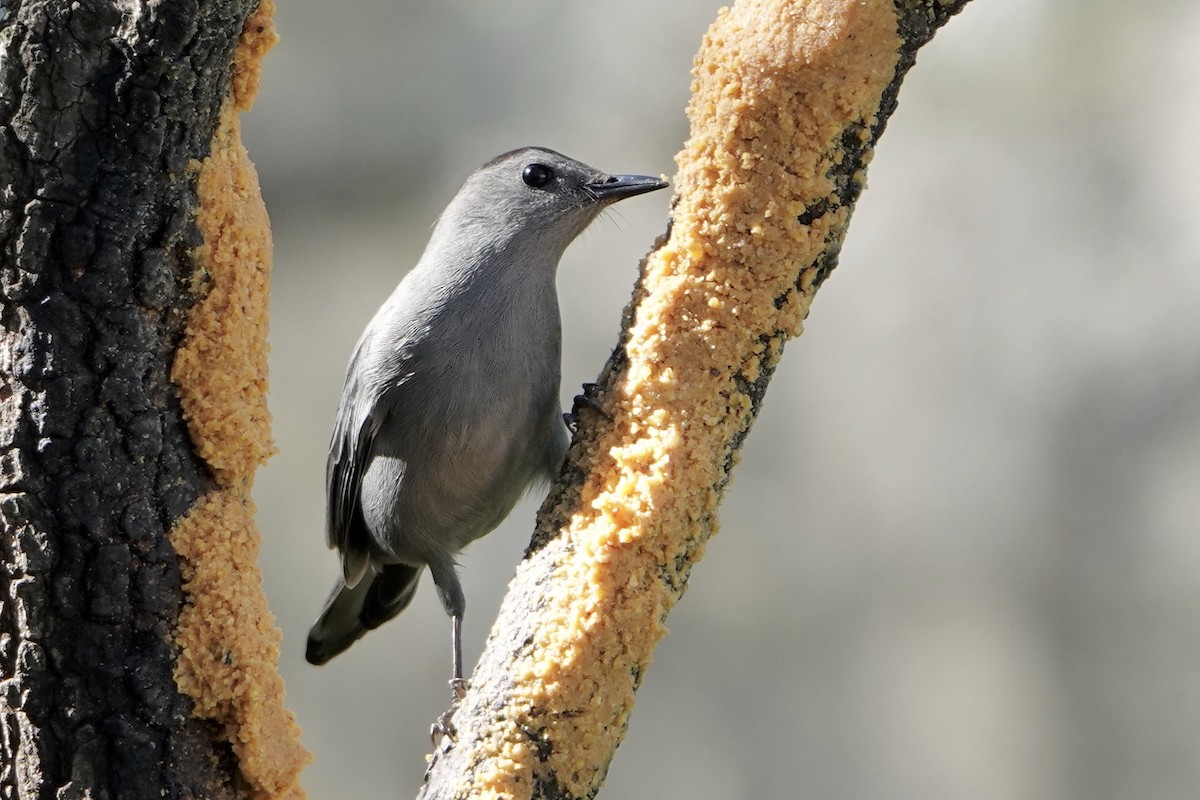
(534,196)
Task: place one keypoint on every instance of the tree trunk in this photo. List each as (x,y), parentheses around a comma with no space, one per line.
(789,99)
(125,199)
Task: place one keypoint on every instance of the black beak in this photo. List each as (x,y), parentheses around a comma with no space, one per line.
(618,187)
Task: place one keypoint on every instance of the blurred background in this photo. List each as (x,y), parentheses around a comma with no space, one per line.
(961,555)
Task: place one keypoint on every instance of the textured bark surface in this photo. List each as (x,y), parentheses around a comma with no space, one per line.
(789,100)
(103,106)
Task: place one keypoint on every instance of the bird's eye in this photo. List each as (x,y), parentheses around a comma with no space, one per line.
(537,175)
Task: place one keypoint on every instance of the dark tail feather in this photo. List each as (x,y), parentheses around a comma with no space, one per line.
(353,610)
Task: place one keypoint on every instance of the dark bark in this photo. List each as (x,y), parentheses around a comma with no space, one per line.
(103,106)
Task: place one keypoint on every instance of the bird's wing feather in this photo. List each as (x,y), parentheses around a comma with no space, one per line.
(349,450)
(372,382)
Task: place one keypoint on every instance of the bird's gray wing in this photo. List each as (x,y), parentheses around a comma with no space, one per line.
(384,360)
(357,423)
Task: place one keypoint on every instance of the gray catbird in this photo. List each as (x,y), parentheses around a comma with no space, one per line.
(450,406)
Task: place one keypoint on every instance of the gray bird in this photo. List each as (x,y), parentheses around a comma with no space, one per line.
(450,405)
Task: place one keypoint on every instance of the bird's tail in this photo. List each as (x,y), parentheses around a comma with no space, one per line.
(351,611)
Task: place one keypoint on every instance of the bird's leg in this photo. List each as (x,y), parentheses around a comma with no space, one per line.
(458,684)
(444,726)
(587,398)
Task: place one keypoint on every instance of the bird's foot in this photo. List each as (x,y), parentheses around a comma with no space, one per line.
(588,399)
(443,730)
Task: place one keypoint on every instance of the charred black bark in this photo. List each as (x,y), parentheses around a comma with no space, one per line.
(103,106)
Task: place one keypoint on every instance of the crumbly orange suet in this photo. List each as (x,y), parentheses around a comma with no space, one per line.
(229,645)
(228,642)
(776,84)
(258,36)
(221,365)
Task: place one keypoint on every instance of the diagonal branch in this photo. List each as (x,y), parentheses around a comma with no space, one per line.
(788,102)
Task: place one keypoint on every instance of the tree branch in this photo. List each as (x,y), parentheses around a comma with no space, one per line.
(788,102)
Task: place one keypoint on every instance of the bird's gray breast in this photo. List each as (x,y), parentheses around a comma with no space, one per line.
(473,420)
